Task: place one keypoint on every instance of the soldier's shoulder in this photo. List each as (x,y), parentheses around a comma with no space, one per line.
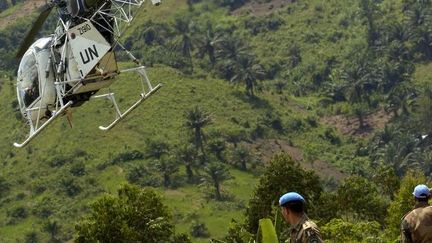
(407,216)
(308,224)
(311,232)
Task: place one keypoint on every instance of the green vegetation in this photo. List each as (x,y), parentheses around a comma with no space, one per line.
(342,87)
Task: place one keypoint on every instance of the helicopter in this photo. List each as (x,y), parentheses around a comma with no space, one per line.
(66,69)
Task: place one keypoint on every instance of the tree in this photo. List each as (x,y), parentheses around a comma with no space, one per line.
(166,167)
(400,98)
(183,42)
(207,43)
(339,230)
(196,120)
(217,146)
(425,111)
(3,5)
(187,155)
(31,237)
(360,110)
(235,136)
(280,176)
(230,50)
(52,228)
(241,157)
(134,215)
(215,174)
(369,10)
(247,71)
(233,49)
(156,148)
(360,77)
(357,196)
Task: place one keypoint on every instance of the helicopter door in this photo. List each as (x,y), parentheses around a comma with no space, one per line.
(35,87)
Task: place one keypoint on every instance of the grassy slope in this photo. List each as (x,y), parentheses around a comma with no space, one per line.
(162,116)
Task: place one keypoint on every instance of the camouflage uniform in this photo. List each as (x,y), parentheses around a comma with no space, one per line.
(416,225)
(305,231)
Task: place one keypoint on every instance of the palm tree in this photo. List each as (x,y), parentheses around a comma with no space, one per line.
(360,110)
(425,111)
(52,228)
(31,237)
(167,167)
(155,33)
(215,174)
(206,44)
(247,72)
(360,78)
(183,42)
(196,120)
(217,146)
(232,48)
(241,157)
(187,155)
(235,136)
(156,149)
(424,42)
(400,98)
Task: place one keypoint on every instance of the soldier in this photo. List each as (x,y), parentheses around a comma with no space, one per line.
(416,225)
(303,230)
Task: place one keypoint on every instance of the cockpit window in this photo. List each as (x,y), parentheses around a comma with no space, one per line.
(28,80)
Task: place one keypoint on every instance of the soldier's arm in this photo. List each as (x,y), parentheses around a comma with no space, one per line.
(313,235)
(405,232)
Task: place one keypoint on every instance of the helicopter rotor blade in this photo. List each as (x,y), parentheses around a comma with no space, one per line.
(28,40)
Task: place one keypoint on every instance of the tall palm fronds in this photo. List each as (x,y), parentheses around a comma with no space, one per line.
(184,41)
(247,71)
(215,174)
(206,43)
(233,49)
(196,120)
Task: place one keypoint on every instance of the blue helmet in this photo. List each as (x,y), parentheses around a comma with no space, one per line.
(421,191)
(290,197)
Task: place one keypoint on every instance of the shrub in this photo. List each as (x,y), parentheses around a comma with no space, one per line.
(127,156)
(59,161)
(133,215)
(78,169)
(4,187)
(199,230)
(70,186)
(19,212)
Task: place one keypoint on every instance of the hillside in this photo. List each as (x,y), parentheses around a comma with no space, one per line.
(309,101)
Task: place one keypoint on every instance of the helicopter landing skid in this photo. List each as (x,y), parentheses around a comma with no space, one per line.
(35,132)
(119,114)
(143,96)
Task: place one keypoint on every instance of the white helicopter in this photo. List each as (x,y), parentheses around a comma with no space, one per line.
(67,68)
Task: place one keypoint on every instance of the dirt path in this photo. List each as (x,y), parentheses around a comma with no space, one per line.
(27,8)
